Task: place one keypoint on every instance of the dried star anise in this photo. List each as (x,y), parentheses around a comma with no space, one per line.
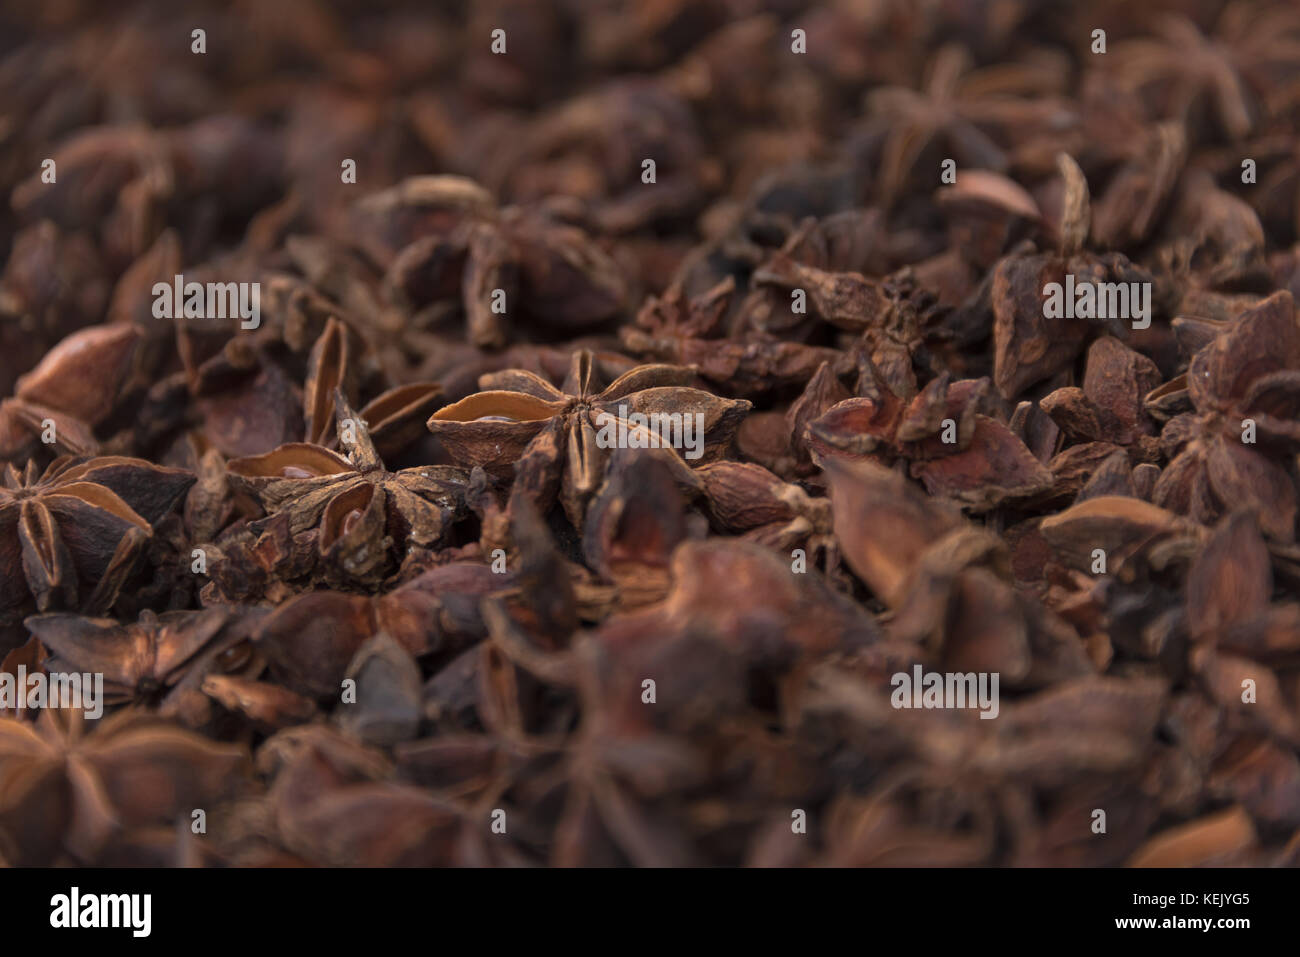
(323,783)
(893,315)
(1182,71)
(68,788)
(69,536)
(746,498)
(442,237)
(53,284)
(1238,447)
(73,389)
(549,436)
(678,330)
(634,524)
(1028,346)
(953,109)
(393,418)
(365,515)
(160,660)
(838,226)
(956,447)
(309,640)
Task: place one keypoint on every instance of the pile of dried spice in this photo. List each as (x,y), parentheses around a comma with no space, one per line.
(650,432)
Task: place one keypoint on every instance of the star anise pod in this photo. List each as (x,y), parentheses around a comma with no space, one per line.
(324,783)
(267,706)
(65,789)
(394,418)
(946,111)
(689,331)
(548,436)
(1237,449)
(1028,346)
(893,314)
(948,432)
(365,515)
(966,778)
(594,143)
(608,778)
(1277,201)
(747,499)
(116,178)
(247,402)
(611,785)
(74,388)
(1127,211)
(1107,412)
(1238,629)
(443,240)
(626,763)
(1183,74)
(1212,238)
(987,213)
(634,524)
(160,660)
(310,639)
(948,582)
(53,284)
(69,536)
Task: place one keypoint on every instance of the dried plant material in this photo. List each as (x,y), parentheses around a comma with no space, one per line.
(1240,385)
(1120,526)
(884,526)
(651,433)
(74,388)
(70,535)
(691,333)
(387,681)
(557,438)
(268,705)
(161,660)
(1216,840)
(68,789)
(361,511)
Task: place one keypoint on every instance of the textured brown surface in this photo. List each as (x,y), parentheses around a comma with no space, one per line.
(365,584)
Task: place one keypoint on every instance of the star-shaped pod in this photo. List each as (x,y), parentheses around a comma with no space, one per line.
(690,330)
(69,536)
(560,438)
(158,660)
(363,513)
(68,789)
(1235,448)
